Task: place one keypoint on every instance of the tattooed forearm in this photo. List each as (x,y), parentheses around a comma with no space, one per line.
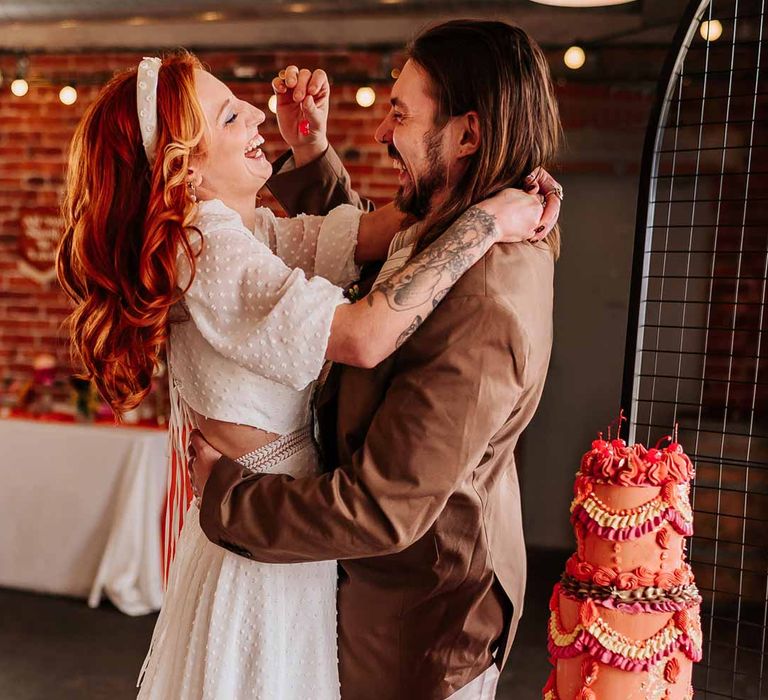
(408,332)
(439,297)
(423,279)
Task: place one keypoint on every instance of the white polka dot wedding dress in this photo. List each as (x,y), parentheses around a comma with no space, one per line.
(258,317)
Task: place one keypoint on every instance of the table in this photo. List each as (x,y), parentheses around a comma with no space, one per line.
(80,511)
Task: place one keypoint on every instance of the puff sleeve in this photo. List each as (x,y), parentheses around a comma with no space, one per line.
(252,308)
(318,245)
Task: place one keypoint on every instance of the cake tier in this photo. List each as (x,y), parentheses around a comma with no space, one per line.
(604,654)
(634,465)
(583,678)
(634,642)
(623,513)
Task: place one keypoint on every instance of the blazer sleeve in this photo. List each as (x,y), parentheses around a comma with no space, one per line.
(314,188)
(459,380)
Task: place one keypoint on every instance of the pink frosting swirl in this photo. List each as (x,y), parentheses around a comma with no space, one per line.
(626,581)
(635,465)
(603,576)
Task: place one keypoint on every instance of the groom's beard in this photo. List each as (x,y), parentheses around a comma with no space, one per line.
(416,197)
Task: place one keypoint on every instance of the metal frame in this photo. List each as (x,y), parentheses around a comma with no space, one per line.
(645,202)
(730,494)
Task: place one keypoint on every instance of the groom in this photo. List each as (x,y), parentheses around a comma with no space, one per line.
(421,502)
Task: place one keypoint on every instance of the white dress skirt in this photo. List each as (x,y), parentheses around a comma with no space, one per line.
(235,629)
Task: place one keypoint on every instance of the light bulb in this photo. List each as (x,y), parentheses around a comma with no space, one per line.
(68,95)
(711,30)
(19,87)
(272,104)
(365,96)
(574,57)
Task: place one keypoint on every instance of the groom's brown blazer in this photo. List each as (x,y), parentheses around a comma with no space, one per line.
(420,502)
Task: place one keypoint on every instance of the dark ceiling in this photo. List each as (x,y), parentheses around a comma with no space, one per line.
(56,24)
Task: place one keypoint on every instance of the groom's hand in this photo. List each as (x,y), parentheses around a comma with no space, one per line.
(202,457)
(303,96)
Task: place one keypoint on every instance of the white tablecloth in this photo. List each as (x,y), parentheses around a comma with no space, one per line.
(80,511)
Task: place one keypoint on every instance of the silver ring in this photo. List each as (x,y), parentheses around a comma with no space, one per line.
(557,190)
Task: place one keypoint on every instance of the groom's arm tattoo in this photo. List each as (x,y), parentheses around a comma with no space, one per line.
(408,332)
(439,297)
(445,260)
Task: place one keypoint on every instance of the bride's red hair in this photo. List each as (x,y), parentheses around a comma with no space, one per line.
(124,224)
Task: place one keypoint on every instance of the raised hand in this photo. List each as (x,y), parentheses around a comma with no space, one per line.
(542,183)
(303,98)
(527,215)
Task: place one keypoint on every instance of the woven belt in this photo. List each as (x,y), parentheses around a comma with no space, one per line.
(273,453)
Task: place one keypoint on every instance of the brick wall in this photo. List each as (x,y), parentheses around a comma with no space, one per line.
(603,127)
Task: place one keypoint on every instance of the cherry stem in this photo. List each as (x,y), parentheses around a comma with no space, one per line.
(666,437)
(618,421)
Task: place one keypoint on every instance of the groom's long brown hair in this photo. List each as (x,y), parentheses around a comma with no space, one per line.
(498,71)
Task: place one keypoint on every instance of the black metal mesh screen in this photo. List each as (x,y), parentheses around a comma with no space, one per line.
(697,354)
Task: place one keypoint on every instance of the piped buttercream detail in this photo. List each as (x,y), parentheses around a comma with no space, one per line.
(640,599)
(616,463)
(630,523)
(608,646)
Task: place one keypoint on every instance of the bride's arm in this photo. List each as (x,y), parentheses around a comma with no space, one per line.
(364,333)
(332,246)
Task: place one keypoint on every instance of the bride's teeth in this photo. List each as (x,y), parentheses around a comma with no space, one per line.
(254,143)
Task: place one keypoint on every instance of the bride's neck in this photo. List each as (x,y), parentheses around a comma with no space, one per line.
(246,207)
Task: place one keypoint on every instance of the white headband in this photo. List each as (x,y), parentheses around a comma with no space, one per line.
(146,103)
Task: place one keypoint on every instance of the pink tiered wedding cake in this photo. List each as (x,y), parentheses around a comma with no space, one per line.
(624,622)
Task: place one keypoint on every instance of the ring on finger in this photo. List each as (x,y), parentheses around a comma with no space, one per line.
(557,190)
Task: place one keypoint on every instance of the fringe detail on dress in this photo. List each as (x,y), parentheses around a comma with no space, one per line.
(178,497)
(179,492)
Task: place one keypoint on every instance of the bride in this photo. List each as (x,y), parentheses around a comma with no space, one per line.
(163,246)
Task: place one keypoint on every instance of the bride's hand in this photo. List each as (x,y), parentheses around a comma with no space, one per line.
(526,216)
(303,95)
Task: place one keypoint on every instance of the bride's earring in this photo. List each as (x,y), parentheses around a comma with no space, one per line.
(192,191)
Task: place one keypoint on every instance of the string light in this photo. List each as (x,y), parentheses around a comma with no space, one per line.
(711,30)
(19,87)
(574,57)
(68,95)
(365,96)
(211,16)
(272,104)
